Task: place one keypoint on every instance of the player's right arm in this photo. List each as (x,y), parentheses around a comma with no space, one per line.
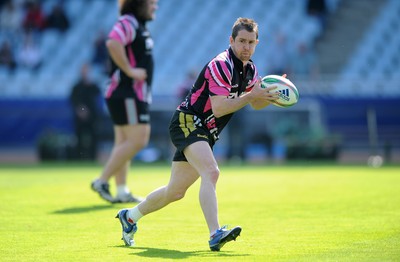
(118,55)
(219,74)
(258,98)
(261,102)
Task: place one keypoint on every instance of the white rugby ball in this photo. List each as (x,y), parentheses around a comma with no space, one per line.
(288,94)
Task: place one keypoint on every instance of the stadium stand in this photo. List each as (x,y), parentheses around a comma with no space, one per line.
(374,69)
(189,33)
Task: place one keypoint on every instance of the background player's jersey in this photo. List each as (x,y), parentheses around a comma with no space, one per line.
(138,43)
(224,75)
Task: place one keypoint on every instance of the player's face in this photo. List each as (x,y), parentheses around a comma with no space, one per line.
(150,9)
(244,44)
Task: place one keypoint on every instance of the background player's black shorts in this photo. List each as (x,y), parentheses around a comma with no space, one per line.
(128,111)
(185,129)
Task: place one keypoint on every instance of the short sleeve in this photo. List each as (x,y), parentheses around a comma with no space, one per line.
(219,77)
(124,30)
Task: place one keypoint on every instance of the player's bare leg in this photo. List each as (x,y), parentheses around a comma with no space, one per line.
(201,157)
(136,138)
(122,174)
(182,177)
(183,174)
(129,140)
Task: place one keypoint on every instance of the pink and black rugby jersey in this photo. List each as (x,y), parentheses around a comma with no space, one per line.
(224,75)
(133,34)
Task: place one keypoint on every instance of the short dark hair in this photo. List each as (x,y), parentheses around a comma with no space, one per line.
(133,7)
(244,23)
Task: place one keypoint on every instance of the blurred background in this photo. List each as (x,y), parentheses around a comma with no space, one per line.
(343,56)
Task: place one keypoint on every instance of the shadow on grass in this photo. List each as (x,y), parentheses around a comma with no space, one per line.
(78,210)
(176,254)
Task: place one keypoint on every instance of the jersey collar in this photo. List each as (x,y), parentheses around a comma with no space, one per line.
(237,62)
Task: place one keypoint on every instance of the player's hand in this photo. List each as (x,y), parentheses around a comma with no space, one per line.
(139,74)
(260,93)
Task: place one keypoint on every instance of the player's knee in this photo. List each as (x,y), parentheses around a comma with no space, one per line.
(138,144)
(213,175)
(179,195)
(176,195)
(142,143)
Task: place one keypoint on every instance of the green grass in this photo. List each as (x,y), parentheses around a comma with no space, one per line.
(288,213)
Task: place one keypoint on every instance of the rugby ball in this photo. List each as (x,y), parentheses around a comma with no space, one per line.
(288,94)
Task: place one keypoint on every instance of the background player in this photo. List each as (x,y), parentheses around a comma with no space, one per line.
(128,95)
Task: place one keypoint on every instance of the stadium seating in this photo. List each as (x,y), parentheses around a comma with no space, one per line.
(376,60)
(186,37)
(191,46)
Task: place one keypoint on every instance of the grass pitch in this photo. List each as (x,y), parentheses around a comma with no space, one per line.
(288,213)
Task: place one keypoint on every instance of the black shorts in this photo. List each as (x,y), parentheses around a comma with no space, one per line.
(128,111)
(186,129)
